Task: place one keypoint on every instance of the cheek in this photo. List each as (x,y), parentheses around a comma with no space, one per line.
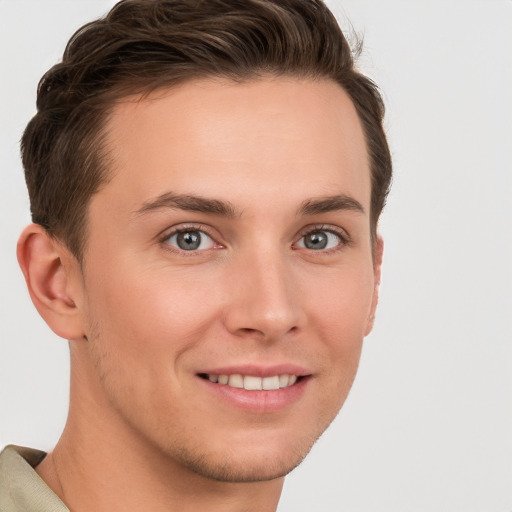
(145,314)
(339,315)
(141,326)
(341,303)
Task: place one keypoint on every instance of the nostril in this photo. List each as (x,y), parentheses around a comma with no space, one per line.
(248,330)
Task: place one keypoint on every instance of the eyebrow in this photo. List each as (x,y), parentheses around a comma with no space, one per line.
(330,204)
(190,203)
(193,203)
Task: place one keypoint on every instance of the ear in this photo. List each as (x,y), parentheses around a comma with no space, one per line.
(52,275)
(377,266)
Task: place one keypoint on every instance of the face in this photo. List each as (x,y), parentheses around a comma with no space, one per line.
(228,279)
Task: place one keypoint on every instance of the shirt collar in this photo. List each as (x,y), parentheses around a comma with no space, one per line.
(21,488)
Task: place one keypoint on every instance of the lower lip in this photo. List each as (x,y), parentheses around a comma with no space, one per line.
(259,401)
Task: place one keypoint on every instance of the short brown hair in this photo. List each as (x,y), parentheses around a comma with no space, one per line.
(143,45)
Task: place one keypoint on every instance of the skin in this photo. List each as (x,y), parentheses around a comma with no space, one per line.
(145,317)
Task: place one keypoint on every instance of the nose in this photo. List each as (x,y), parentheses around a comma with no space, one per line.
(263,298)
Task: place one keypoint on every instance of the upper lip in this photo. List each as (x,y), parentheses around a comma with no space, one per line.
(258,370)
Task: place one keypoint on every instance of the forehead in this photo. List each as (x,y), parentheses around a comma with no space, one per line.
(205,136)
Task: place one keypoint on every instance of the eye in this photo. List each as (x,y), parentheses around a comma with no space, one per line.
(190,240)
(320,240)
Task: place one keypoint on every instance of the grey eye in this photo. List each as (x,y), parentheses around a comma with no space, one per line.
(319,240)
(191,240)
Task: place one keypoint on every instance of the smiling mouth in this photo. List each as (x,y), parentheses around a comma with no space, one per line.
(253,383)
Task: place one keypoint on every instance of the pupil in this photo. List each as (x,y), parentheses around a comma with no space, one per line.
(189,240)
(316,240)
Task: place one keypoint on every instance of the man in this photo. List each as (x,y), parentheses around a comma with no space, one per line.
(206,180)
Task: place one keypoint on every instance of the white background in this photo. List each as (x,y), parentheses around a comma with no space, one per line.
(428,425)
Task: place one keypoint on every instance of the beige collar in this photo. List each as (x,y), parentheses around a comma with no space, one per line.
(21,488)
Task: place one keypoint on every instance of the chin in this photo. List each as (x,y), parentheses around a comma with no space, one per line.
(251,469)
(243,463)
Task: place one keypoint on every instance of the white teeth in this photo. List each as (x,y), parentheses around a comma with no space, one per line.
(271,383)
(252,383)
(236,381)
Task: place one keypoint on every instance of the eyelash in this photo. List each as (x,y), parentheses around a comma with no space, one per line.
(341,234)
(184,229)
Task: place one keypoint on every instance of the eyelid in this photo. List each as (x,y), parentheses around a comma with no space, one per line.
(345,238)
(167,233)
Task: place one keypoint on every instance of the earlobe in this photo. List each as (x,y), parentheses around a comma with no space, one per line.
(49,272)
(377,266)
